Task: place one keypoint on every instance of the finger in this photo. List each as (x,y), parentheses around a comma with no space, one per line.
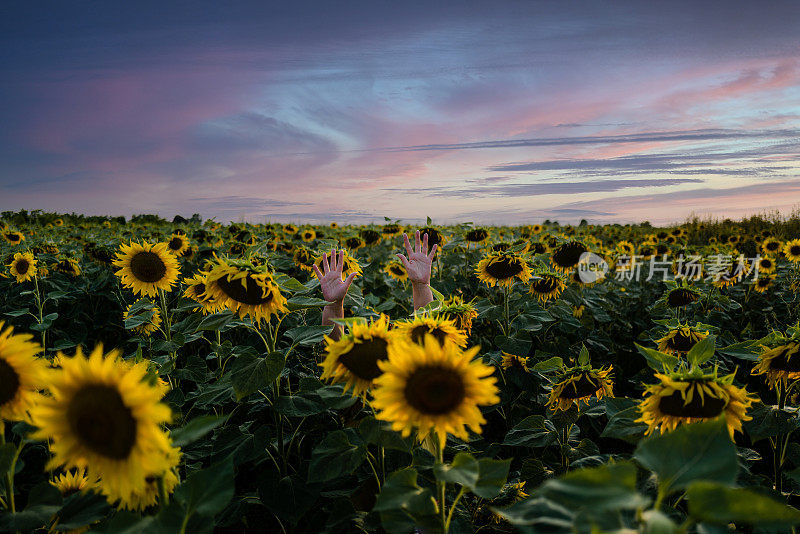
(433,252)
(340,265)
(333,259)
(403,260)
(349,280)
(424,249)
(416,242)
(317,272)
(407,245)
(325,266)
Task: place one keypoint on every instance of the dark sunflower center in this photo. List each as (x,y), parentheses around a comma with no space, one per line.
(504,268)
(788,360)
(568,254)
(794,250)
(363,358)
(12,237)
(353,242)
(702,407)
(585,386)
(545,285)
(434,390)
(9,382)
(399,271)
(101,421)
(766,263)
(176,243)
(370,236)
(253,295)
(477,235)
(418,334)
(763,282)
(22,266)
(148,267)
(772,245)
(682,342)
(538,248)
(198,289)
(681,297)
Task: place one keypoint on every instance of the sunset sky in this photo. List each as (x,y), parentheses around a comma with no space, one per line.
(492,112)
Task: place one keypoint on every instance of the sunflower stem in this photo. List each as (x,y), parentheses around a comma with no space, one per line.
(163,496)
(506,326)
(453,508)
(10,472)
(40,306)
(441,486)
(167,325)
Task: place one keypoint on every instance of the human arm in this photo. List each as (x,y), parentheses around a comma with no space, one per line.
(418,266)
(333,288)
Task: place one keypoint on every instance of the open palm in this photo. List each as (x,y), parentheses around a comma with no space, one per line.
(333,287)
(419,260)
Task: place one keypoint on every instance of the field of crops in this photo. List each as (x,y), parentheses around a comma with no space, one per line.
(197,377)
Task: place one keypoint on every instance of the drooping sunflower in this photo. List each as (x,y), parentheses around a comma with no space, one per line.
(15,238)
(308,235)
(303,258)
(421,326)
(105,416)
(396,270)
(679,399)
(353,359)
(567,255)
(147,268)
(74,481)
(503,268)
(178,244)
(23,266)
(792,251)
(354,243)
(580,384)
(512,361)
(433,388)
(435,237)
(149,326)
(547,285)
(733,275)
(371,237)
(391,230)
(680,340)
(245,289)
(22,374)
(779,364)
(69,266)
(762,283)
(460,312)
(197,290)
(682,296)
(350,264)
(149,496)
(476,235)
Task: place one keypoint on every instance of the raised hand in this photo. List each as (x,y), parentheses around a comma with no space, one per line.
(333,287)
(419,260)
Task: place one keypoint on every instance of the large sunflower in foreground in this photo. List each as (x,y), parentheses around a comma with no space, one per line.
(576,385)
(779,364)
(432,388)
(23,266)
(678,399)
(146,268)
(149,496)
(353,359)
(245,289)
(421,326)
(503,268)
(105,416)
(547,285)
(680,340)
(22,374)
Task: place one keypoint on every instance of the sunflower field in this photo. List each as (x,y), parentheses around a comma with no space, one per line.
(189,376)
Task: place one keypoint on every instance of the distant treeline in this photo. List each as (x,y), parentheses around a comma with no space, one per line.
(46,217)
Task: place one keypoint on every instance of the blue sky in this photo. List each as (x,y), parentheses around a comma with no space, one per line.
(495,112)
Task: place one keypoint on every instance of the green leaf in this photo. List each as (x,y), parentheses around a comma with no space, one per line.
(7,453)
(305,336)
(403,505)
(596,489)
(195,429)
(44,500)
(746,350)
(657,522)
(380,433)
(336,455)
(251,373)
(658,361)
(436,295)
(702,351)
(538,515)
(463,470)
(583,357)
(288,498)
(699,451)
(302,303)
(533,431)
(215,321)
(768,421)
(81,509)
(207,492)
(492,475)
(550,364)
(715,503)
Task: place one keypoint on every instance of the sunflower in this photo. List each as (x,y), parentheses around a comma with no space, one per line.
(422,326)
(536,229)
(435,237)
(196,289)
(354,243)
(73,482)
(58,222)
(680,340)
(792,251)
(682,296)
(22,374)
(105,416)
(762,283)
(766,265)
(334,225)
(476,235)
(178,244)
(147,268)
(567,255)
(350,265)
(15,238)
(396,270)
(547,285)
(511,361)
(23,266)
(580,384)
(503,268)
(577,311)
(149,496)
(245,289)
(290,229)
(779,364)
(391,230)
(733,275)
(308,235)
(460,312)
(68,266)
(771,245)
(353,359)
(303,258)
(433,388)
(680,400)
(370,237)
(626,247)
(150,326)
